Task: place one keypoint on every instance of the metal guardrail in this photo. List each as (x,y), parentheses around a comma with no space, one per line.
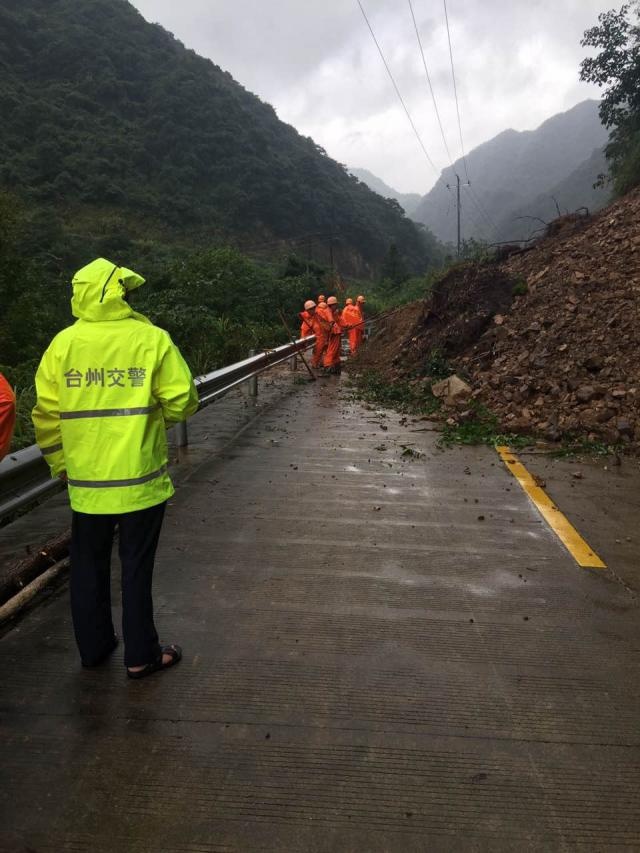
(25,476)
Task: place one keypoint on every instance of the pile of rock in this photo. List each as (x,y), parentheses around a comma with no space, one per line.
(547,338)
(565,360)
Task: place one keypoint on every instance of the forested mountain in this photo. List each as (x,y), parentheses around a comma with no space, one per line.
(407,201)
(511,173)
(116,130)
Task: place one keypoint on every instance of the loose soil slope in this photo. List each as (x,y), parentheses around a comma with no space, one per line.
(548,337)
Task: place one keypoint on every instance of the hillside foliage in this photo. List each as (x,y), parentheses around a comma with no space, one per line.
(111,125)
(616,68)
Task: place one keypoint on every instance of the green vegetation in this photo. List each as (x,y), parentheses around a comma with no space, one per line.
(411,398)
(482,428)
(115,135)
(117,141)
(436,366)
(616,67)
(415,398)
(574,447)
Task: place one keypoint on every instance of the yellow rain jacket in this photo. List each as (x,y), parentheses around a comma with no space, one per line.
(107,388)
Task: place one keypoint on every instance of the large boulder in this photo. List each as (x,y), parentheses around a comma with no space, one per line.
(451,390)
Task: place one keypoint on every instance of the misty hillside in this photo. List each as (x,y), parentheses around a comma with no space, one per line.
(408,201)
(575,191)
(113,123)
(511,173)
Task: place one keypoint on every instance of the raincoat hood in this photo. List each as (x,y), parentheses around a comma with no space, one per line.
(99,290)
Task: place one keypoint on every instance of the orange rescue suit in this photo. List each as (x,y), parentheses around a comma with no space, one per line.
(323,321)
(360,330)
(332,354)
(7,415)
(307,324)
(351,318)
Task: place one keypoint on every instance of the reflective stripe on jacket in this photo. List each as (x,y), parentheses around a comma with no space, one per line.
(107,388)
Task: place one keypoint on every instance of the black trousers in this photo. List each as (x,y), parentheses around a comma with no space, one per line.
(91,544)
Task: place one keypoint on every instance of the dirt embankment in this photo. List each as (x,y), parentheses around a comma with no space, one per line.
(549,338)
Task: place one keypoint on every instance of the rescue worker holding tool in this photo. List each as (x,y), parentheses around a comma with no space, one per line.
(350,320)
(331,361)
(308,320)
(7,416)
(107,387)
(323,324)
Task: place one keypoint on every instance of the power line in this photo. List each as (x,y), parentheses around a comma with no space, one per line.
(395,86)
(433,96)
(481,230)
(483,211)
(472,193)
(455,89)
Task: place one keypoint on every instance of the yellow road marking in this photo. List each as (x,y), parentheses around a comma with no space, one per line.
(561,526)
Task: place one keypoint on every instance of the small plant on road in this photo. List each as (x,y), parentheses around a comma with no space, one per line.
(403,396)
(481,428)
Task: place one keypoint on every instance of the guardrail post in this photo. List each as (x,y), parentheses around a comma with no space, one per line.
(253,382)
(181,434)
(293,363)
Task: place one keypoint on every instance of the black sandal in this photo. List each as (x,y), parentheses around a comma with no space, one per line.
(174,651)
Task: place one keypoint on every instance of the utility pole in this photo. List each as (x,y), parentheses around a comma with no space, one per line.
(458,208)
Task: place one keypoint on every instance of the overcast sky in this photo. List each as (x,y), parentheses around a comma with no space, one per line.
(315,62)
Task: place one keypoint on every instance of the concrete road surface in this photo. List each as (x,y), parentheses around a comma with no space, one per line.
(386,649)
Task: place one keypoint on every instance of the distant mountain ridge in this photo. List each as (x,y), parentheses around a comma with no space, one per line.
(408,201)
(575,191)
(516,174)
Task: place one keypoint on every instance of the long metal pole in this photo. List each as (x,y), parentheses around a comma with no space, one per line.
(293,340)
(458,206)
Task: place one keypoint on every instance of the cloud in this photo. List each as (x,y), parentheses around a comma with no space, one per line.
(314,61)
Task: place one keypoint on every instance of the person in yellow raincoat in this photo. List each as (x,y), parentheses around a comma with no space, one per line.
(107,388)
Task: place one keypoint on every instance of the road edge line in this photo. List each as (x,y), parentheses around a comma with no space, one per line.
(580,550)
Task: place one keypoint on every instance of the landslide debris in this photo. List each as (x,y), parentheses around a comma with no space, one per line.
(548,337)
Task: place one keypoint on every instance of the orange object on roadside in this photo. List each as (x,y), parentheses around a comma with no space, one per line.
(7,415)
(308,322)
(351,320)
(331,359)
(319,324)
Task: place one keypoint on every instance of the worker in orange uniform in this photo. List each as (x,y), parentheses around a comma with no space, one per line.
(360,303)
(7,415)
(332,353)
(308,319)
(350,320)
(323,324)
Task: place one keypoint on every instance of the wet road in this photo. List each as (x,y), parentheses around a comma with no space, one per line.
(386,649)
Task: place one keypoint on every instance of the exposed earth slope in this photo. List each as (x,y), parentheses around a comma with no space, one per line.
(549,338)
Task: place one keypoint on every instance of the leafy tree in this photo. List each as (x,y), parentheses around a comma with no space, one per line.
(393,267)
(616,68)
